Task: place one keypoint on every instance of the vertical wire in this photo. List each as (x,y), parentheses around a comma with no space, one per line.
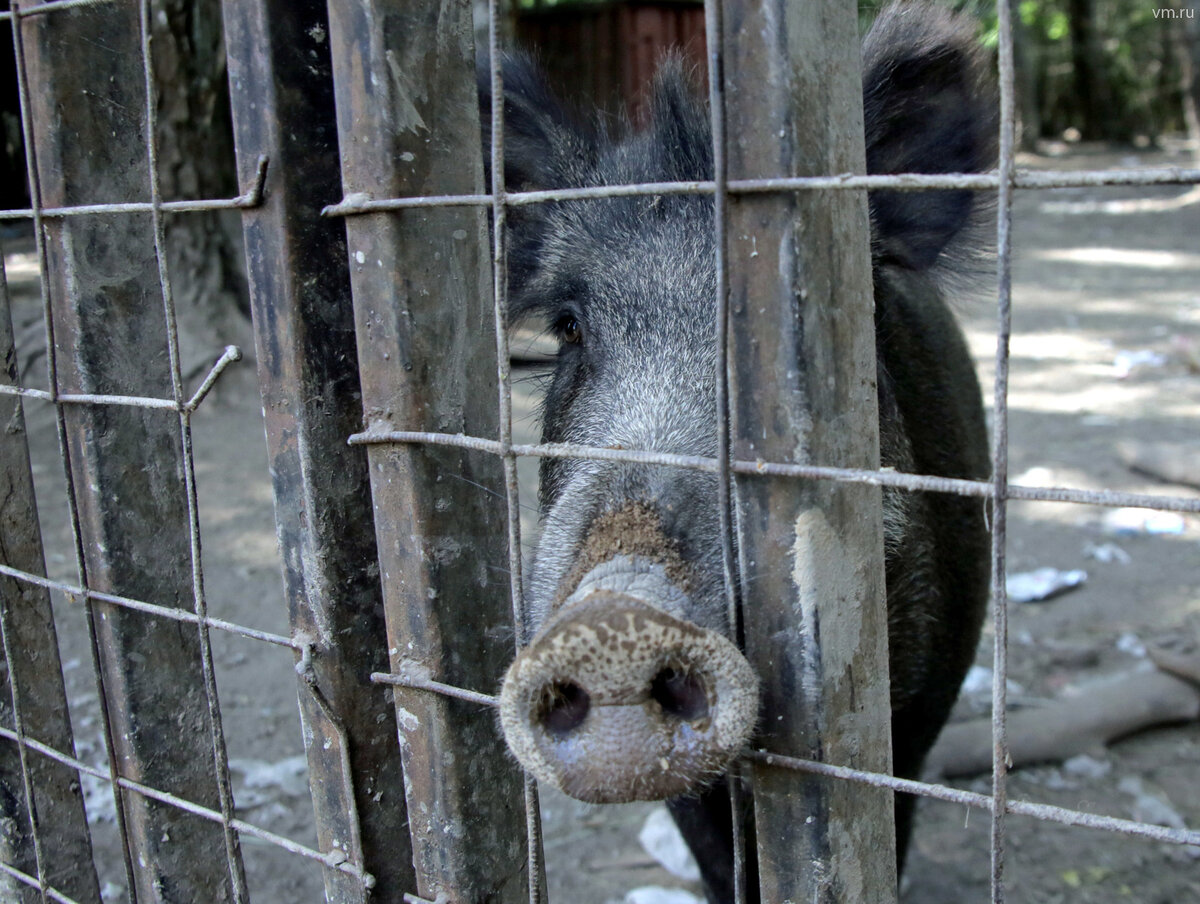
(39,857)
(713,24)
(64,446)
(533,820)
(1000,754)
(233,856)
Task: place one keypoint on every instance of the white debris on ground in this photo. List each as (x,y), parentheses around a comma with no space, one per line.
(1108,553)
(1148,807)
(979,681)
(256,783)
(1127,362)
(1129,522)
(1086,766)
(660,839)
(656,894)
(1042,584)
(1132,644)
(264,782)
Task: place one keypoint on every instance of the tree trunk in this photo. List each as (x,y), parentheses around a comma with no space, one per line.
(1190,75)
(1025,59)
(1091,91)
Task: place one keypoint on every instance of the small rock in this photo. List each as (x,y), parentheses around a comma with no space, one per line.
(656,894)
(1107,553)
(661,840)
(1130,522)
(1149,807)
(1130,643)
(1042,584)
(1086,766)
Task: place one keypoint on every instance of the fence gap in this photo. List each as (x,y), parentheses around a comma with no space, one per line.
(802,388)
(282,102)
(408,124)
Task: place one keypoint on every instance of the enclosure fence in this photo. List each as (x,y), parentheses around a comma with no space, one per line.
(315,283)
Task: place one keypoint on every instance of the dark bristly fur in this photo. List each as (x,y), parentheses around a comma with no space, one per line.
(629,283)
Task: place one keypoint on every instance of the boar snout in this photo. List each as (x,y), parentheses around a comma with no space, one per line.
(617,700)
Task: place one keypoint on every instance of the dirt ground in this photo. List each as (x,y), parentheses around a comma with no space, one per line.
(1106,348)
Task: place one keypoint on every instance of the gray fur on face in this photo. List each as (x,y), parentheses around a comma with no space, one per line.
(650,385)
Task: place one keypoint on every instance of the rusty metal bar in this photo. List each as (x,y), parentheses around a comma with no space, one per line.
(45,830)
(802,364)
(123,464)
(282,102)
(408,123)
(43,257)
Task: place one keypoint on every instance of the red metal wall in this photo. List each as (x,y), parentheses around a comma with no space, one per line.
(604,54)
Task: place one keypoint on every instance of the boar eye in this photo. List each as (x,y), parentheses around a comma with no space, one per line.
(569,330)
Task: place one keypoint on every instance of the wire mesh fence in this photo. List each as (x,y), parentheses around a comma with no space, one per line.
(349,637)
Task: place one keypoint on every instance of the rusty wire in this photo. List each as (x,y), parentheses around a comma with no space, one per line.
(334,859)
(77,593)
(533,816)
(353,205)
(886,477)
(998,490)
(50,6)
(999,500)
(251,198)
(410,675)
(714,29)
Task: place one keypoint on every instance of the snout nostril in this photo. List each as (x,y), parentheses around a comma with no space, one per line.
(680,694)
(563,707)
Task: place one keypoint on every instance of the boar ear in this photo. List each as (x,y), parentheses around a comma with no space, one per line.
(929,107)
(544,147)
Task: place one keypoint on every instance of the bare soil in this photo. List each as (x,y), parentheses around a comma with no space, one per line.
(1097,272)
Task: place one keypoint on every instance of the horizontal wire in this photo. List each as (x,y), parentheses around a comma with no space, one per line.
(51,6)
(360,203)
(231,354)
(1044,812)
(335,859)
(251,198)
(49,891)
(74,592)
(410,677)
(900,479)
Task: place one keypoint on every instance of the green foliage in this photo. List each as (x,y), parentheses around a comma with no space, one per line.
(1136,63)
